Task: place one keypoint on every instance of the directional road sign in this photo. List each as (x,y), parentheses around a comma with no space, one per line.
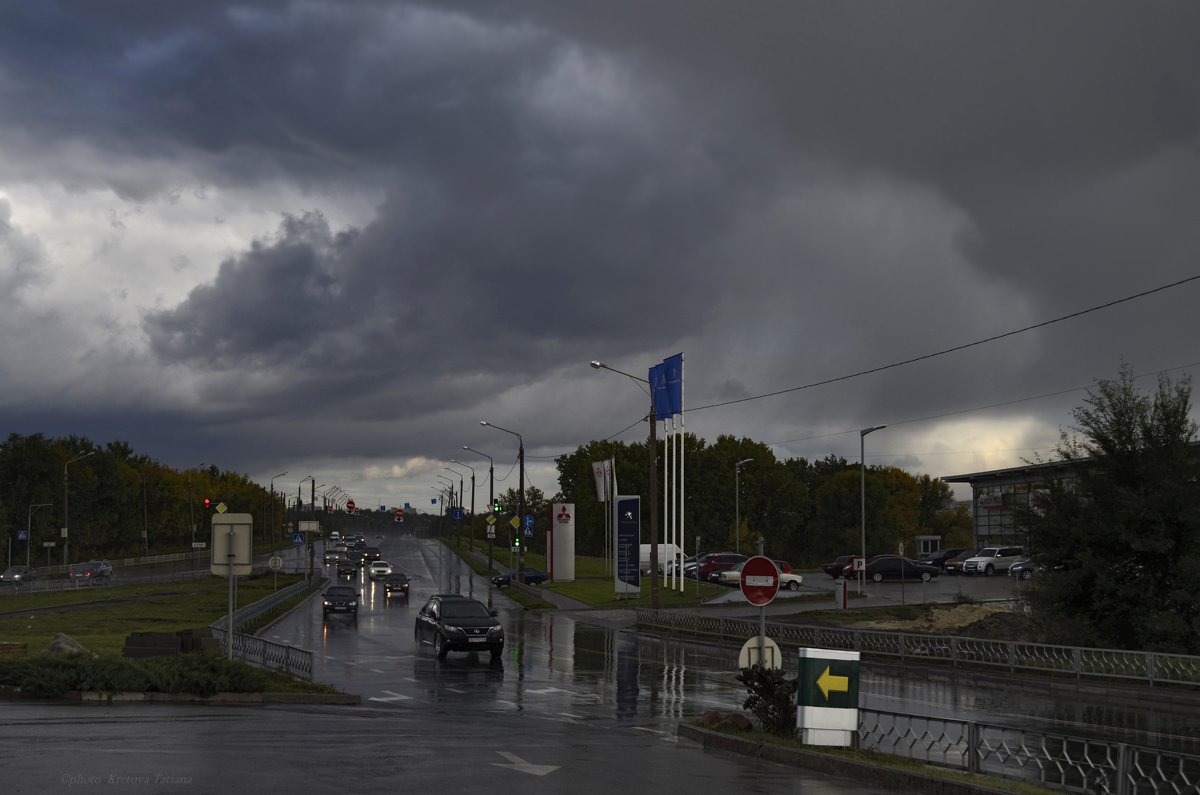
(529,520)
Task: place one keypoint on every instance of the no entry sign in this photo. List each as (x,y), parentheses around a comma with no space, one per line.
(760,580)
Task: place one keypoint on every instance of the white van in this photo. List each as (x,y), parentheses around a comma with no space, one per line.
(335,537)
(666,552)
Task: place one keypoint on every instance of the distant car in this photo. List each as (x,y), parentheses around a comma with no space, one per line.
(335,537)
(331,557)
(955,564)
(993,559)
(1025,569)
(379,568)
(395,584)
(712,564)
(18,574)
(457,623)
(838,565)
(530,577)
(94,571)
(894,567)
(790,581)
(340,599)
(940,557)
(347,567)
(370,553)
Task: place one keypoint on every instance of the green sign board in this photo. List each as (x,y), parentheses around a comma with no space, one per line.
(827,683)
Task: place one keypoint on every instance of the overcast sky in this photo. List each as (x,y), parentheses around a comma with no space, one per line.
(330,237)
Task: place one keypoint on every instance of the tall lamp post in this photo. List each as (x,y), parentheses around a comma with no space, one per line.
(653,480)
(461,488)
(29,531)
(66,525)
(281,474)
(471,526)
(862,467)
(737,496)
(520,491)
(491,494)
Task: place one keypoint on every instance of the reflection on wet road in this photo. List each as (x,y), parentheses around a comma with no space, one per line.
(562,667)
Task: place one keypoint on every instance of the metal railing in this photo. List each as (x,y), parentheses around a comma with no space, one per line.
(292,660)
(1071,661)
(1074,764)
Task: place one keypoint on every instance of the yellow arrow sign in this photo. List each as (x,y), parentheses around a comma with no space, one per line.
(828,682)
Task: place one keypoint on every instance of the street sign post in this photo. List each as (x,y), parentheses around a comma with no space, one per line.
(760,581)
(827,697)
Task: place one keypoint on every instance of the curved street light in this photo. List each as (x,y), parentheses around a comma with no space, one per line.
(520,490)
(66,536)
(862,467)
(491,493)
(653,479)
(737,495)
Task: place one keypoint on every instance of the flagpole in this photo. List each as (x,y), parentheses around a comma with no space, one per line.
(682,451)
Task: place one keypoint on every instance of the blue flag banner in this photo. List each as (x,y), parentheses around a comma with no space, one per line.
(658,391)
(674,370)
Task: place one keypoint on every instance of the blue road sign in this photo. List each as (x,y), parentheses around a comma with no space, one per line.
(528,520)
(407,507)
(529,531)
(297,538)
(22,535)
(458,514)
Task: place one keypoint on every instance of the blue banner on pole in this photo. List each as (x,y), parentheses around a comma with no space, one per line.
(658,391)
(674,371)
(629,544)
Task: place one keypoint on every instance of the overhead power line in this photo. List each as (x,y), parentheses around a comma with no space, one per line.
(954,349)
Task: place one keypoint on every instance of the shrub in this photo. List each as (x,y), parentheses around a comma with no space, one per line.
(772,699)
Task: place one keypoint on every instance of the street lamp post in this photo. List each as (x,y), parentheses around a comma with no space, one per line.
(520,492)
(472,524)
(29,531)
(737,496)
(491,494)
(862,466)
(66,525)
(653,481)
(281,474)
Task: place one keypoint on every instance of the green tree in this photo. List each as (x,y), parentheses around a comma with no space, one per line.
(1128,523)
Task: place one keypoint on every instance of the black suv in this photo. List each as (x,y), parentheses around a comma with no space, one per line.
(340,599)
(458,623)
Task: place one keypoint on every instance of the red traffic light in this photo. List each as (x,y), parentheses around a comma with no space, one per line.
(207,503)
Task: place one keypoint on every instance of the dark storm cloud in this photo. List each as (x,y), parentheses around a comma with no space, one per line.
(787,191)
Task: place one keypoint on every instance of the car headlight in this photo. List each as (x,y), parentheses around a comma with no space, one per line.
(449,630)
(327,603)
(496,633)
(353,604)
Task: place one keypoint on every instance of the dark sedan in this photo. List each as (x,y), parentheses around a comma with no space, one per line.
(396,584)
(839,564)
(529,577)
(894,567)
(340,599)
(458,623)
(347,567)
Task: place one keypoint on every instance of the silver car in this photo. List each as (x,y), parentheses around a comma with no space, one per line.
(993,559)
(18,574)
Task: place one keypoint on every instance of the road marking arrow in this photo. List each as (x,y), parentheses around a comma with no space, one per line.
(828,682)
(519,764)
(392,696)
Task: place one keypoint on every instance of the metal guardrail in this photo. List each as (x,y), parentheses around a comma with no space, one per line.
(264,653)
(1073,764)
(1076,662)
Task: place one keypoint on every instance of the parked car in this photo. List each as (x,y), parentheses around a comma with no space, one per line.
(836,568)
(340,599)
(529,577)
(94,571)
(1025,568)
(992,559)
(894,567)
(397,584)
(940,557)
(955,564)
(16,575)
(457,623)
(713,564)
(379,568)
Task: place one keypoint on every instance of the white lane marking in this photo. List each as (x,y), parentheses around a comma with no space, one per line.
(520,765)
(376,671)
(547,690)
(392,696)
(570,715)
(455,690)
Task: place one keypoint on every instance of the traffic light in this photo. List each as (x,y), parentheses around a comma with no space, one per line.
(207,503)
(517,542)
(496,506)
